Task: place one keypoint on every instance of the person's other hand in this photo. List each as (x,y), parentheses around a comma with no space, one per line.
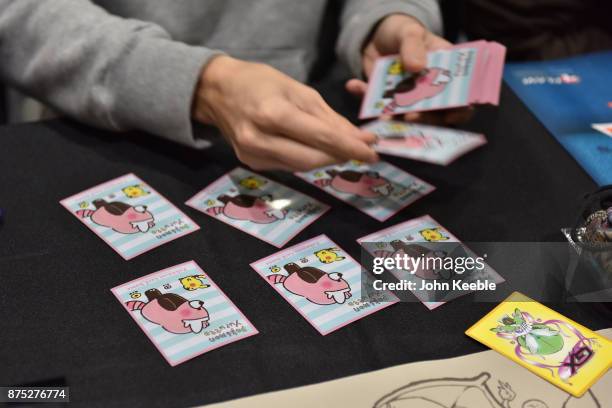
(274,122)
(405,35)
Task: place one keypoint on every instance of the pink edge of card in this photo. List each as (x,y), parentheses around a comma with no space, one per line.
(479,74)
(496,72)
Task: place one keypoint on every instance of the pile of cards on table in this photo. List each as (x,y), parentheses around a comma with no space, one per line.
(466,74)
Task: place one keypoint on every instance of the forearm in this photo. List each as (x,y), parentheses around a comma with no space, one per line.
(359,17)
(101,69)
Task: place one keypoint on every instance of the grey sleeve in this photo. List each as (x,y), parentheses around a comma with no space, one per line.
(104,70)
(360,16)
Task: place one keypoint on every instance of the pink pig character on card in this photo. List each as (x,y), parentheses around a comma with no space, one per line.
(172,312)
(415,88)
(315,285)
(259,210)
(367,185)
(121,217)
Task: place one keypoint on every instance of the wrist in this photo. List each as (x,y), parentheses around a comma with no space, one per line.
(212,76)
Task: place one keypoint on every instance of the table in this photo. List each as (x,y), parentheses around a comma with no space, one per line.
(60,324)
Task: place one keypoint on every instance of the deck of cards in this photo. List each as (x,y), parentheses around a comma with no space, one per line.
(466,74)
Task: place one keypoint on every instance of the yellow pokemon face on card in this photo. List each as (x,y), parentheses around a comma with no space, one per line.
(545,342)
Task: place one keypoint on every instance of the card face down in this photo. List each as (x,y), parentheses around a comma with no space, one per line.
(322,282)
(465,74)
(129,215)
(258,206)
(545,342)
(183,312)
(380,189)
(418,237)
(430,144)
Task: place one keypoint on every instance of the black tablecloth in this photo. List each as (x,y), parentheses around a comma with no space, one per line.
(60,324)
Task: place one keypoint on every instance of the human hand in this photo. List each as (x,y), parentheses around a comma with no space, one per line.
(405,35)
(274,122)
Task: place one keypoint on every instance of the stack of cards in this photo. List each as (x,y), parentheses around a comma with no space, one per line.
(421,235)
(258,206)
(183,312)
(463,75)
(322,282)
(420,142)
(129,215)
(545,342)
(379,190)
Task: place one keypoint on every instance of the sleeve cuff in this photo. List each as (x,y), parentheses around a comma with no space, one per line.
(158,78)
(359,26)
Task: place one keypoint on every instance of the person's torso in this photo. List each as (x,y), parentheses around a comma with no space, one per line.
(282,33)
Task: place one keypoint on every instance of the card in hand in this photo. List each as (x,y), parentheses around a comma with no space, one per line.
(258,206)
(545,342)
(379,189)
(129,215)
(462,75)
(421,238)
(183,312)
(322,282)
(430,144)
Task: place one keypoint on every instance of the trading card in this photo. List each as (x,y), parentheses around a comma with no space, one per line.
(465,74)
(380,189)
(430,144)
(545,342)
(129,215)
(183,312)
(424,238)
(258,206)
(322,282)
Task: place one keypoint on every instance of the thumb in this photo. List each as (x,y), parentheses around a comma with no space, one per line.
(413,51)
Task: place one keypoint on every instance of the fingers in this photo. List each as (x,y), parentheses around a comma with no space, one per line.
(276,152)
(329,133)
(356,87)
(413,49)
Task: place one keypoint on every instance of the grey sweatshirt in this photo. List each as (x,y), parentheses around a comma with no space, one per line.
(134,64)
